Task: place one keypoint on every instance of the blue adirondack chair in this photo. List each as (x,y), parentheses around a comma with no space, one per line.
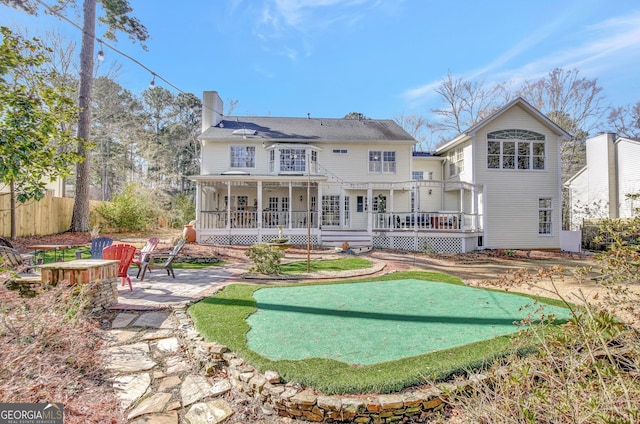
(97,244)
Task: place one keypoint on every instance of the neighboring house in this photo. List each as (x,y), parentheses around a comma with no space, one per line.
(599,189)
(53,188)
(497,185)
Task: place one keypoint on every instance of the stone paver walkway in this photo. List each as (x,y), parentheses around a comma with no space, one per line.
(153,379)
(153,376)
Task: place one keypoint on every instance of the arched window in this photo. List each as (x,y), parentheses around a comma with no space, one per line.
(516,149)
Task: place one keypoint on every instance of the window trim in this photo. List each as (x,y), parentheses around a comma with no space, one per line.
(519,138)
(542,209)
(249,157)
(293,160)
(455,162)
(415,174)
(380,158)
(362,204)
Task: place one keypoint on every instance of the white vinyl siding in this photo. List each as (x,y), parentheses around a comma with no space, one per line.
(628,176)
(510,203)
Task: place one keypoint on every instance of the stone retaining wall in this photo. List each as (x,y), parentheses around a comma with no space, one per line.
(292,400)
(101,293)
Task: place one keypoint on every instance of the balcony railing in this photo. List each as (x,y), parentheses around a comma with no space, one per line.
(249,219)
(423,221)
(426,221)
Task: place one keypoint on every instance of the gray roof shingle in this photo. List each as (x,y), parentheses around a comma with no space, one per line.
(308,129)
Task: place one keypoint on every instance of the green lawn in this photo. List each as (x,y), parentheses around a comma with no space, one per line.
(341,264)
(223,318)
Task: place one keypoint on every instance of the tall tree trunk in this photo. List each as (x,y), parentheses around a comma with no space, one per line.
(80,219)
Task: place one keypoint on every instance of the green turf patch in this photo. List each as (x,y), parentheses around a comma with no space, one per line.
(223,318)
(367,323)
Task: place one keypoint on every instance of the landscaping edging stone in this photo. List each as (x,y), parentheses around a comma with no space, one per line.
(297,402)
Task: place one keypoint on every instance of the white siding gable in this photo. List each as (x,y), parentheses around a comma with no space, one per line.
(510,203)
(628,154)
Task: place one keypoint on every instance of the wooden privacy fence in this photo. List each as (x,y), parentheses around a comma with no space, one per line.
(51,215)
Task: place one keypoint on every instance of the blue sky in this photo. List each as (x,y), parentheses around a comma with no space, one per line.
(377,57)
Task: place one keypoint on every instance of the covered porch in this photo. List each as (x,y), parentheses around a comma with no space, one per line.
(245,209)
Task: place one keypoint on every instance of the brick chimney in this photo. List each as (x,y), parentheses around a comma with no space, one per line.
(211,109)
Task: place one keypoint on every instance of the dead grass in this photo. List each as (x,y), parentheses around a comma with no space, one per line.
(49,352)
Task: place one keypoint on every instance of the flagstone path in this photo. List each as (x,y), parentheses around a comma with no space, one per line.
(153,379)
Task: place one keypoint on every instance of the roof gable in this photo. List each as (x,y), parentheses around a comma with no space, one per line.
(471,131)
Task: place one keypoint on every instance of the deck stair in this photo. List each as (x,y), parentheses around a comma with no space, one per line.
(355,238)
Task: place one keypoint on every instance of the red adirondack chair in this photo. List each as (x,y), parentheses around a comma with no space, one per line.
(146,250)
(124,253)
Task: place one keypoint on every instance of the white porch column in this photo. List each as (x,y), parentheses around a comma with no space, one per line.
(290,205)
(482,210)
(228,204)
(341,207)
(462,209)
(369,208)
(198,207)
(259,207)
(319,205)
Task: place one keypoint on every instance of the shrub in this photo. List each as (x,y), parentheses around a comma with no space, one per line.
(266,259)
(132,210)
(182,210)
(589,371)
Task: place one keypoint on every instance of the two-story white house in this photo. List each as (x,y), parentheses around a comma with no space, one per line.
(599,190)
(327,181)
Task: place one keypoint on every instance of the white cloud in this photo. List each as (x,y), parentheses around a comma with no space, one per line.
(298,13)
(603,48)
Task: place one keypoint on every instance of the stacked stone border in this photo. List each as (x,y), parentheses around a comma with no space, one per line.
(293,401)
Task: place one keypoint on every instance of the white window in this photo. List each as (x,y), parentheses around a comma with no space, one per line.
(382,162)
(455,160)
(243,156)
(330,210)
(347,214)
(314,162)
(515,149)
(242,202)
(417,175)
(545,213)
(380,203)
(361,203)
(293,160)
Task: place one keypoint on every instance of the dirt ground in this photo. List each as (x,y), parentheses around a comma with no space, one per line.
(480,269)
(477,268)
